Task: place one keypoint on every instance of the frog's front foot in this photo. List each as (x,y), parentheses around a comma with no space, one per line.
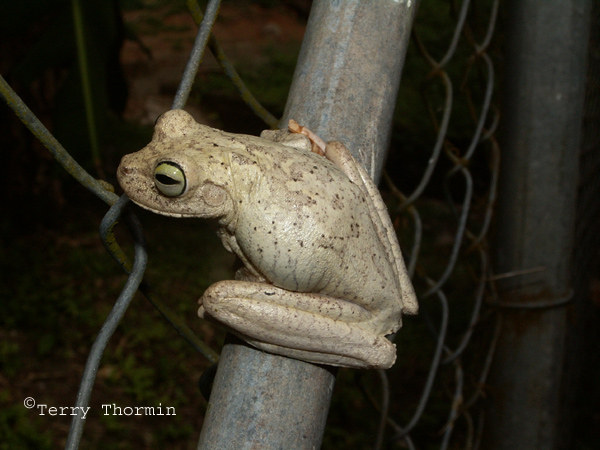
(305,326)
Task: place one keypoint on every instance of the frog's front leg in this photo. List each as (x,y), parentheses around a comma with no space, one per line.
(306,326)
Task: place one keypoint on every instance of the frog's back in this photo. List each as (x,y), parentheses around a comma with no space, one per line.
(311,219)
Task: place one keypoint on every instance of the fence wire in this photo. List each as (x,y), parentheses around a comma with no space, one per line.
(462,77)
(467,169)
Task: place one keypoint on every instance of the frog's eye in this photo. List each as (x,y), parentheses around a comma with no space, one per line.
(170,179)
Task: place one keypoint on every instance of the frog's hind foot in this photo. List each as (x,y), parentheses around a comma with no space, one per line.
(318,144)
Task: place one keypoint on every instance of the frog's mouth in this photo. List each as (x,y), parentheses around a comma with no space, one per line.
(141,191)
(157,211)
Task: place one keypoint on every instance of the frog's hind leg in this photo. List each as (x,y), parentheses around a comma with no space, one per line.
(385,361)
(309,327)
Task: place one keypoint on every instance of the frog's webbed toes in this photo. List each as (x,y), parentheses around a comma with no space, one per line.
(318,144)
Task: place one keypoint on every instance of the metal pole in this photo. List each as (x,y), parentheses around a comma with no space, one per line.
(346,82)
(344,88)
(542,121)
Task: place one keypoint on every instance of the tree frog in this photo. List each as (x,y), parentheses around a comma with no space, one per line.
(322,277)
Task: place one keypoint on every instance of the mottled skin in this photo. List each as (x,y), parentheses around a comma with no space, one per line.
(323,279)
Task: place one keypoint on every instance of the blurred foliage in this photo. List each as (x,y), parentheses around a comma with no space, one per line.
(62,284)
(18,429)
(217,92)
(50,51)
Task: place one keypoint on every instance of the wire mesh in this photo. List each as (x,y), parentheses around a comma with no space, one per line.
(453,158)
(464,165)
(115,316)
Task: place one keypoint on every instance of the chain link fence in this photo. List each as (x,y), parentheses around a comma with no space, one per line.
(449,253)
(440,185)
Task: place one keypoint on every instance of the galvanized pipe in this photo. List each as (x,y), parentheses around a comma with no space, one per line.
(346,82)
(344,88)
(541,134)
